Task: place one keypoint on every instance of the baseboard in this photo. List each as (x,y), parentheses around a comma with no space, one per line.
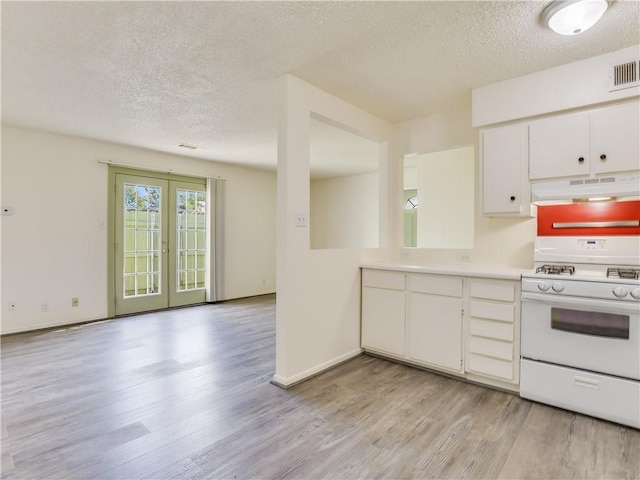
(44,327)
(289,382)
(75,323)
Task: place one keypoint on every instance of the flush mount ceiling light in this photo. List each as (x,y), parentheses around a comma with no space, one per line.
(570,17)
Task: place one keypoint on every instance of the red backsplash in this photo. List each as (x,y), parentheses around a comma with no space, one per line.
(588,212)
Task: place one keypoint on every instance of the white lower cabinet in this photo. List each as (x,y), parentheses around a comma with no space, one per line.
(467,326)
(434,321)
(493,339)
(383,311)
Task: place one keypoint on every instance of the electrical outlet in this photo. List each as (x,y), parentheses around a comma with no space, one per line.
(75,301)
(44,307)
(12,306)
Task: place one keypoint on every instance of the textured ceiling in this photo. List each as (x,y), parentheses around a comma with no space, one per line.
(154,74)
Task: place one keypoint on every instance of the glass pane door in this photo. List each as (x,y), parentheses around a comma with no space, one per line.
(141,244)
(187,262)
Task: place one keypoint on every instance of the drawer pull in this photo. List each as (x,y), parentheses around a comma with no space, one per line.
(586,382)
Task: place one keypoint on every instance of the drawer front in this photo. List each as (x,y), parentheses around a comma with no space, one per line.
(491,348)
(492,311)
(489,329)
(504,292)
(490,366)
(383,279)
(600,396)
(436,285)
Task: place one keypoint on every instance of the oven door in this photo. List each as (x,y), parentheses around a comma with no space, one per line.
(597,335)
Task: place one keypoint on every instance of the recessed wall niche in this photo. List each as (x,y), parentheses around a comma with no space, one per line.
(438,200)
(344,186)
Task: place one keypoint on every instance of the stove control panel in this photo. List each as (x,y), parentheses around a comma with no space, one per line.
(597,289)
(592,244)
(543,286)
(620,292)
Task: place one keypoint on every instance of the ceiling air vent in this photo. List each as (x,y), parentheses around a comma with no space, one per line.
(624,75)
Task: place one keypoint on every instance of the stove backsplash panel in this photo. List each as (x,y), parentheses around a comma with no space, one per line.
(594,218)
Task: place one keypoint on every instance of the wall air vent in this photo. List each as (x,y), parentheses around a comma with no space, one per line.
(624,75)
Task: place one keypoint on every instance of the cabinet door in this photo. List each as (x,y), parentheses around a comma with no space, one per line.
(434,328)
(504,157)
(383,320)
(615,138)
(559,146)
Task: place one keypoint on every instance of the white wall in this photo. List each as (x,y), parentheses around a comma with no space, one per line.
(344,211)
(55,248)
(318,302)
(565,87)
(410,175)
(497,241)
(446,199)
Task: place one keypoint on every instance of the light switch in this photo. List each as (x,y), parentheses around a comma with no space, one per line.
(7,210)
(301,219)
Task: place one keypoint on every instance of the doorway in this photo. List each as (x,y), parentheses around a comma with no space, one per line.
(160,240)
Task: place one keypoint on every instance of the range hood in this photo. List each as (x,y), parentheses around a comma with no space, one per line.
(621,187)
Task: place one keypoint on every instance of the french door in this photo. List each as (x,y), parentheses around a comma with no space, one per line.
(160,242)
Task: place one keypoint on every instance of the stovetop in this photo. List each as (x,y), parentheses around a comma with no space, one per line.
(601,272)
(548,269)
(606,259)
(619,283)
(626,273)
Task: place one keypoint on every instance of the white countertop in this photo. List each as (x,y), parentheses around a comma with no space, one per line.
(460,269)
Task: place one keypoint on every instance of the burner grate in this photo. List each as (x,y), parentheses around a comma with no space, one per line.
(556,269)
(623,272)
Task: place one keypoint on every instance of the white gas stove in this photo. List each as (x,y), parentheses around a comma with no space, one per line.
(581,326)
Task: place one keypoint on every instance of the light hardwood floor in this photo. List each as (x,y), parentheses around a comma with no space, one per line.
(186,394)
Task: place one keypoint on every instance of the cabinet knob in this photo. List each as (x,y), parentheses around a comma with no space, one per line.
(512,198)
(603,157)
(581,159)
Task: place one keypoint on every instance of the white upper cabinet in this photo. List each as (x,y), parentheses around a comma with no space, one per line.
(598,141)
(615,142)
(504,171)
(559,146)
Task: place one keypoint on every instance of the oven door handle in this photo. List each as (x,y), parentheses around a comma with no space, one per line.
(612,306)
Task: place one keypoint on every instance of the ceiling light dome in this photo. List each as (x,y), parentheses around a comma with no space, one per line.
(570,17)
